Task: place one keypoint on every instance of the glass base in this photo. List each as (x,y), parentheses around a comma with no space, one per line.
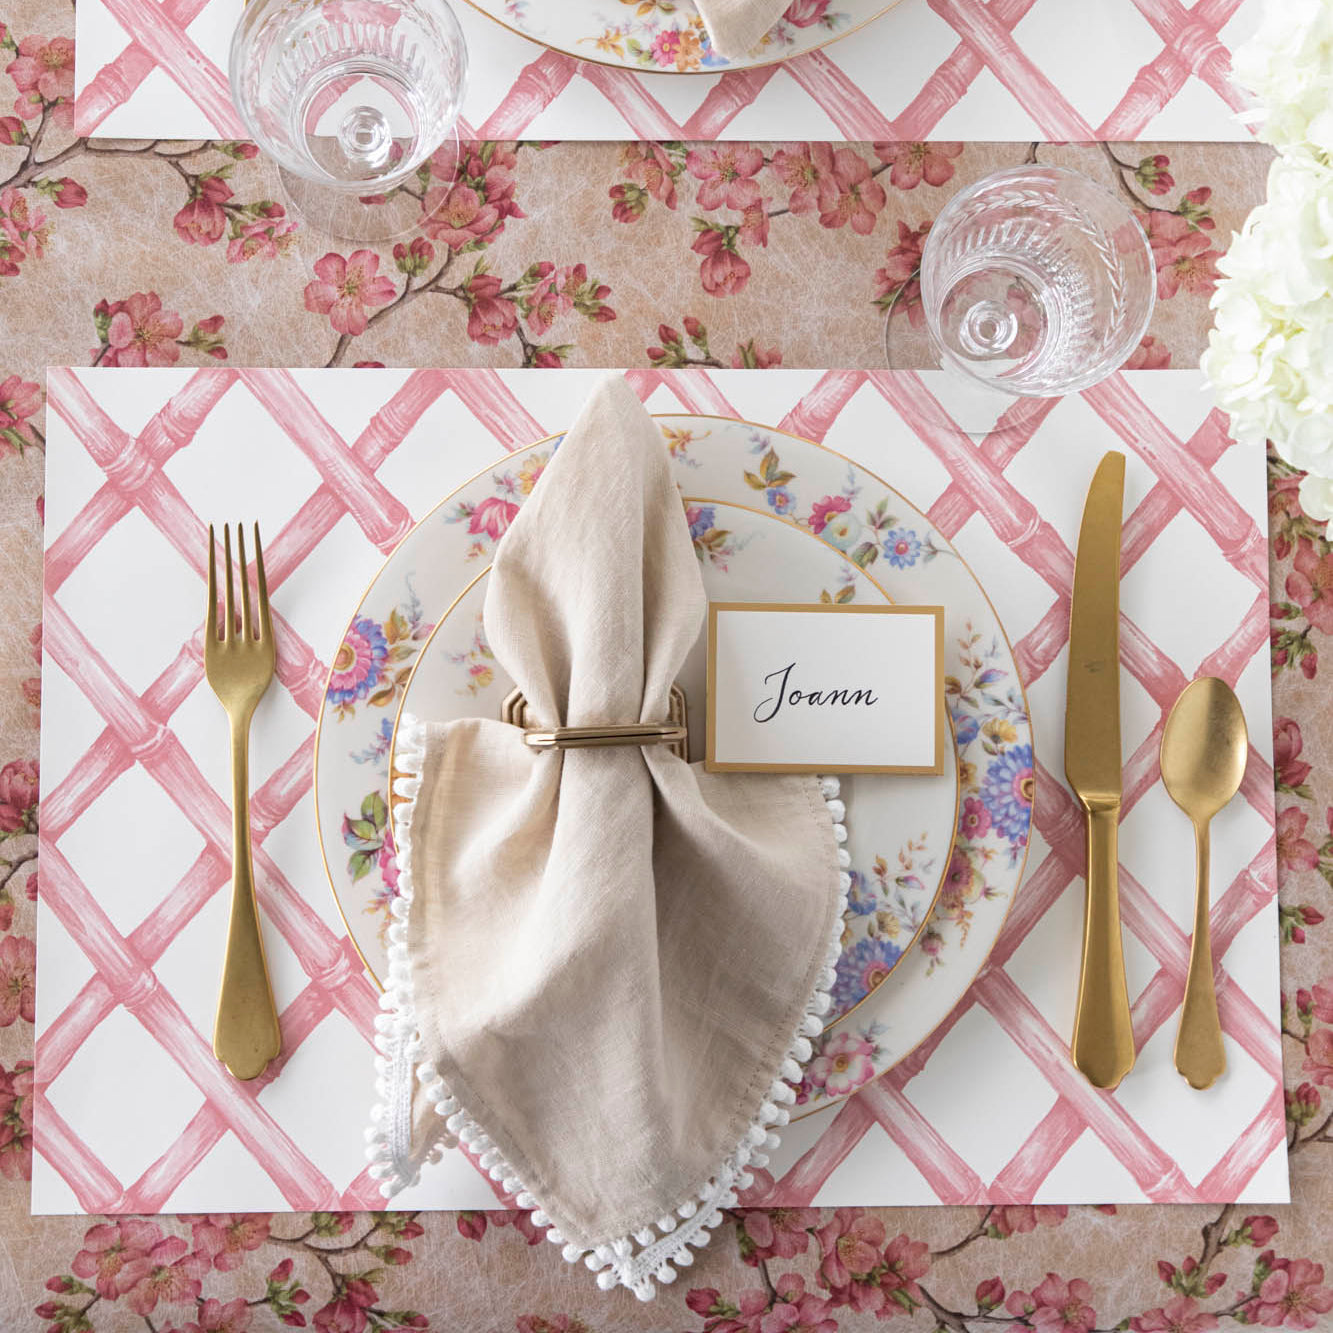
(370,218)
(978,409)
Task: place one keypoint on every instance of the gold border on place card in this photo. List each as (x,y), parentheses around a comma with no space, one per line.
(823,608)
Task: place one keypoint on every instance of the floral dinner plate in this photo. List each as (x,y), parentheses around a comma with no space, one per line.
(668,36)
(900,830)
(879,545)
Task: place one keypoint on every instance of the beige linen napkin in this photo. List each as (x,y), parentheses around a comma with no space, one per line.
(606,962)
(737,26)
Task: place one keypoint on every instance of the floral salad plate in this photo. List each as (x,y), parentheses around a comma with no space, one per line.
(935,861)
(668,36)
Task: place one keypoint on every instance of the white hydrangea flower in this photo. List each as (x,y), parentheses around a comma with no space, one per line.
(1270,351)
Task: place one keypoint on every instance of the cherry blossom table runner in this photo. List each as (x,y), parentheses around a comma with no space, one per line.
(959,69)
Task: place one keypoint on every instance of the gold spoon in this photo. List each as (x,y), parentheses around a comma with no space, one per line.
(1204,750)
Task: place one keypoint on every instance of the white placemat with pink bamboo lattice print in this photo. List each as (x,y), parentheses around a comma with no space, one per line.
(944,69)
(134,1114)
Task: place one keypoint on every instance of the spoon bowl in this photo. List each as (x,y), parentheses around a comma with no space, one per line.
(1205,746)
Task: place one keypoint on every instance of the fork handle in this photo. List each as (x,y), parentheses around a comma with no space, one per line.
(246,1035)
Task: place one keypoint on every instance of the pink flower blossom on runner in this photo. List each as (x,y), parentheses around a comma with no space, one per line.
(556,1323)
(265,238)
(798,1311)
(776,1233)
(1291,1296)
(727,174)
(1294,850)
(850,1243)
(1150,354)
(224,1239)
(491,317)
(345,287)
(1192,265)
(1018,1219)
(648,165)
(459,216)
(912,163)
(1290,770)
(215,1317)
(1181,1315)
(16,1121)
(898,284)
(1055,1306)
(744,1316)
(141,333)
(794,165)
(173,1277)
(44,70)
(1310,586)
(20,399)
(202,220)
(1318,1062)
(849,195)
(115,1255)
(18,969)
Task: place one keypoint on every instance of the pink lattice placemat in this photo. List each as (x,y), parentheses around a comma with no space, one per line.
(952,69)
(133,1113)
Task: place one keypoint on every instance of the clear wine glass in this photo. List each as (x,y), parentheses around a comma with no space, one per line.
(1035,282)
(350,98)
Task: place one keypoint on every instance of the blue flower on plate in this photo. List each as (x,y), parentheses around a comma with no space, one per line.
(1006,792)
(780,500)
(965,728)
(901,547)
(702,518)
(860,969)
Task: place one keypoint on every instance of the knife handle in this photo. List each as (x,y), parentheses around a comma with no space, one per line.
(1103,1041)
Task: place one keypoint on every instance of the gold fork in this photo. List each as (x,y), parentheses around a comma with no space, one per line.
(239,667)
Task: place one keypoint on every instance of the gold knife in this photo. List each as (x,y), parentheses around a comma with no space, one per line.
(1103,1041)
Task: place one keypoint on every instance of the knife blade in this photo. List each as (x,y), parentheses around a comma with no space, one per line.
(1103,1042)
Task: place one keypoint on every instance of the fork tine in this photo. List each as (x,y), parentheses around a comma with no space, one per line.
(212,621)
(265,620)
(245,583)
(229,611)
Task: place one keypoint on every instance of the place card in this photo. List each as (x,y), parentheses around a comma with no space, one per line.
(825,688)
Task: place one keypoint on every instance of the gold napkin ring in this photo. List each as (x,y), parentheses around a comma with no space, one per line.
(674,732)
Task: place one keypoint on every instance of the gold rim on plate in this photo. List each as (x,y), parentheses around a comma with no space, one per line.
(679,73)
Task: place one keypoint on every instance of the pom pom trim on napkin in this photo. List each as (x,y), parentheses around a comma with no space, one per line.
(650,1253)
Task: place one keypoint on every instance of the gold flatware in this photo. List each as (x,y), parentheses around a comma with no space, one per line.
(239,666)
(1205,747)
(1103,1042)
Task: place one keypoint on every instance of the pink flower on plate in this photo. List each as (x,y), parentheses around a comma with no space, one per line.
(1055,1306)
(173,1277)
(850,1243)
(1318,1061)
(974,821)
(225,1238)
(18,969)
(1310,586)
(727,174)
(824,509)
(1287,746)
(843,1065)
(458,217)
(1181,1315)
(345,287)
(1294,850)
(215,1317)
(912,163)
(849,195)
(805,14)
(492,517)
(1291,1296)
(46,67)
(115,1255)
(141,333)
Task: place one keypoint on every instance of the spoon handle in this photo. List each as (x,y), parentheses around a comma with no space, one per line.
(1200,1056)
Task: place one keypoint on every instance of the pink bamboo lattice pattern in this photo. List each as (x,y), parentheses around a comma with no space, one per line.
(133,1112)
(963,69)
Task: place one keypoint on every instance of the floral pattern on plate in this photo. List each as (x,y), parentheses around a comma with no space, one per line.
(745,555)
(668,35)
(883,538)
